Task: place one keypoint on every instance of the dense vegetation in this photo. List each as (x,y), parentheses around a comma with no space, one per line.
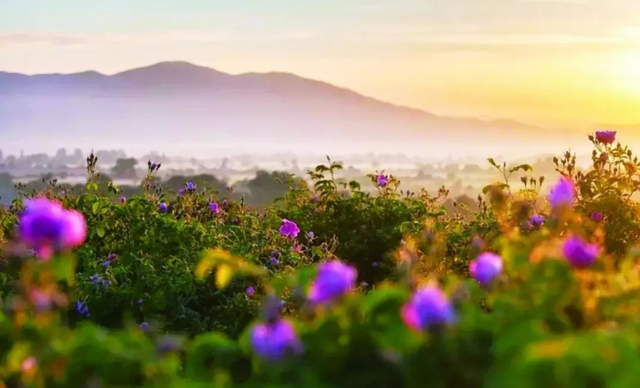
(329,286)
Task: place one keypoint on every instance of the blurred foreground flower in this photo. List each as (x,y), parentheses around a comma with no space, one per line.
(29,364)
(333,280)
(486,267)
(289,228)
(46,227)
(562,194)
(428,306)
(579,253)
(606,137)
(536,220)
(273,341)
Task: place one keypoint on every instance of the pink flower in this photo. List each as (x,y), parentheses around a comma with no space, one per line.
(606,137)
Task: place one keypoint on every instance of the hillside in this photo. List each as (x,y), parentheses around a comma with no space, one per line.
(179,100)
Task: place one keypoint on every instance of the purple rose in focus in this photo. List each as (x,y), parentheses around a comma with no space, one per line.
(289,229)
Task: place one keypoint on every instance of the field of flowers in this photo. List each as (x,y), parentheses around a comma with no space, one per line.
(329,286)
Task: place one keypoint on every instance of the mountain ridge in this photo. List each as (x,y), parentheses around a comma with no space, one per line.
(179,98)
(168,67)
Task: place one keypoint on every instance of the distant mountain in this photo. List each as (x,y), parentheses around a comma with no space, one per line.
(181,102)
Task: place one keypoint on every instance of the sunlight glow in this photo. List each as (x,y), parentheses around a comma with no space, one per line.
(627,69)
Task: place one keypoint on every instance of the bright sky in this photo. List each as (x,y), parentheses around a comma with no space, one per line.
(545,61)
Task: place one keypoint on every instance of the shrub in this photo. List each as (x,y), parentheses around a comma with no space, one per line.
(523,292)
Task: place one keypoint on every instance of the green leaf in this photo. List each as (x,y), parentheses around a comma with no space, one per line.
(523,167)
(65,268)
(100,231)
(95,207)
(92,186)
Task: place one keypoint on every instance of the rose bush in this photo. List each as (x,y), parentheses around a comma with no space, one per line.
(329,287)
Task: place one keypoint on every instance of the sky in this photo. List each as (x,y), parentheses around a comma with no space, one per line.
(553,62)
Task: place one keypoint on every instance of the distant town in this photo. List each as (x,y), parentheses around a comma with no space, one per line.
(461,177)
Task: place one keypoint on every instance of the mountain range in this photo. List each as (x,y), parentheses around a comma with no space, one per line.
(176,102)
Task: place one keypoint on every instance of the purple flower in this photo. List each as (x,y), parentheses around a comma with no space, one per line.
(606,137)
(273,260)
(375,264)
(333,280)
(562,194)
(315,198)
(382,180)
(310,235)
(536,220)
(182,191)
(215,209)
(579,253)
(46,227)
(289,228)
(250,291)
(273,341)
(486,267)
(236,220)
(82,308)
(191,186)
(168,344)
(123,199)
(224,202)
(597,216)
(112,256)
(162,207)
(428,306)
(144,326)
(95,279)
(106,263)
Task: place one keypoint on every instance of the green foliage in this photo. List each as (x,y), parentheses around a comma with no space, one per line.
(169,306)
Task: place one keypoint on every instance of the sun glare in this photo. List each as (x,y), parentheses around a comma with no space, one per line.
(627,69)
